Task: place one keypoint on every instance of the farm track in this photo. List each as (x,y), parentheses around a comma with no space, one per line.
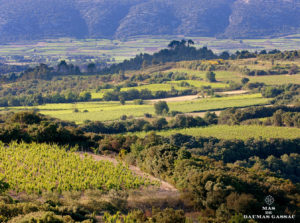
(164,188)
(193,97)
(146,197)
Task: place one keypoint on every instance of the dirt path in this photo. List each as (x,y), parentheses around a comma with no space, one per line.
(176,99)
(193,97)
(164,186)
(234,92)
(145,198)
(201,114)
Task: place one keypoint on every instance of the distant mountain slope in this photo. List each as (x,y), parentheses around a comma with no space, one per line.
(252,18)
(32,19)
(36,19)
(191,17)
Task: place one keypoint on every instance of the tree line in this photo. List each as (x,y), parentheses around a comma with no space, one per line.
(176,51)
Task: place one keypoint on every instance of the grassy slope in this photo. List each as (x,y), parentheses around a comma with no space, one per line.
(236,132)
(105,111)
(235,76)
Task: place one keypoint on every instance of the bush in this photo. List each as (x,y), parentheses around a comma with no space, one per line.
(122,100)
(211,76)
(174,113)
(26,118)
(161,108)
(138,102)
(271,92)
(147,115)
(211,118)
(123,117)
(245,80)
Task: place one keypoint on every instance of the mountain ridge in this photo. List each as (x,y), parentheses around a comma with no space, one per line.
(37,19)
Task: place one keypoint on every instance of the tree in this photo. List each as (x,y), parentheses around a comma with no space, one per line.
(122,99)
(190,42)
(225,55)
(277,118)
(245,80)
(85,96)
(144,64)
(160,123)
(161,108)
(211,118)
(91,68)
(271,92)
(173,44)
(62,67)
(211,76)
(183,42)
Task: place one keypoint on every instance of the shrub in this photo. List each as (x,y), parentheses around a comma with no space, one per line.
(211,76)
(147,115)
(26,118)
(245,80)
(211,118)
(161,108)
(138,102)
(123,117)
(174,113)
(271,92)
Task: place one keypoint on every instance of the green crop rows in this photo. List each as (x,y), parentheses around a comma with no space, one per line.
(36,168)
(235,132)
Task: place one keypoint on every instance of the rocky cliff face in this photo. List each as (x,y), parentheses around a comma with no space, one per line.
(36,19)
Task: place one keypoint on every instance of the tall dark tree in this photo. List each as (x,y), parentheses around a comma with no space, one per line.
(173,44)
(183,42)
(211,76)
(91,68)
(190,42)
(62,67)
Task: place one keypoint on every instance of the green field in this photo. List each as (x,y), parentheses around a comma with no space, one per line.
(53,50)
(222,76)
(164,87)
(277,79)
(218,103)
(199,84)
(106,111)
(157,87)
(235,132)
(41,167)
(236,76)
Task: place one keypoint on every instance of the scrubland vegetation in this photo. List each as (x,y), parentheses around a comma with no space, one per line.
(222,129)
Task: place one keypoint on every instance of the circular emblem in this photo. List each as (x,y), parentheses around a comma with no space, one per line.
(269,200)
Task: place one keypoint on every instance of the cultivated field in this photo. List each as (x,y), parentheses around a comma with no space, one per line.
(235,132)
(37,168)
(107,111)
(53,50)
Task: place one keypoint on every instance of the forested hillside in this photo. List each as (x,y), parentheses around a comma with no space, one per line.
(35,19)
